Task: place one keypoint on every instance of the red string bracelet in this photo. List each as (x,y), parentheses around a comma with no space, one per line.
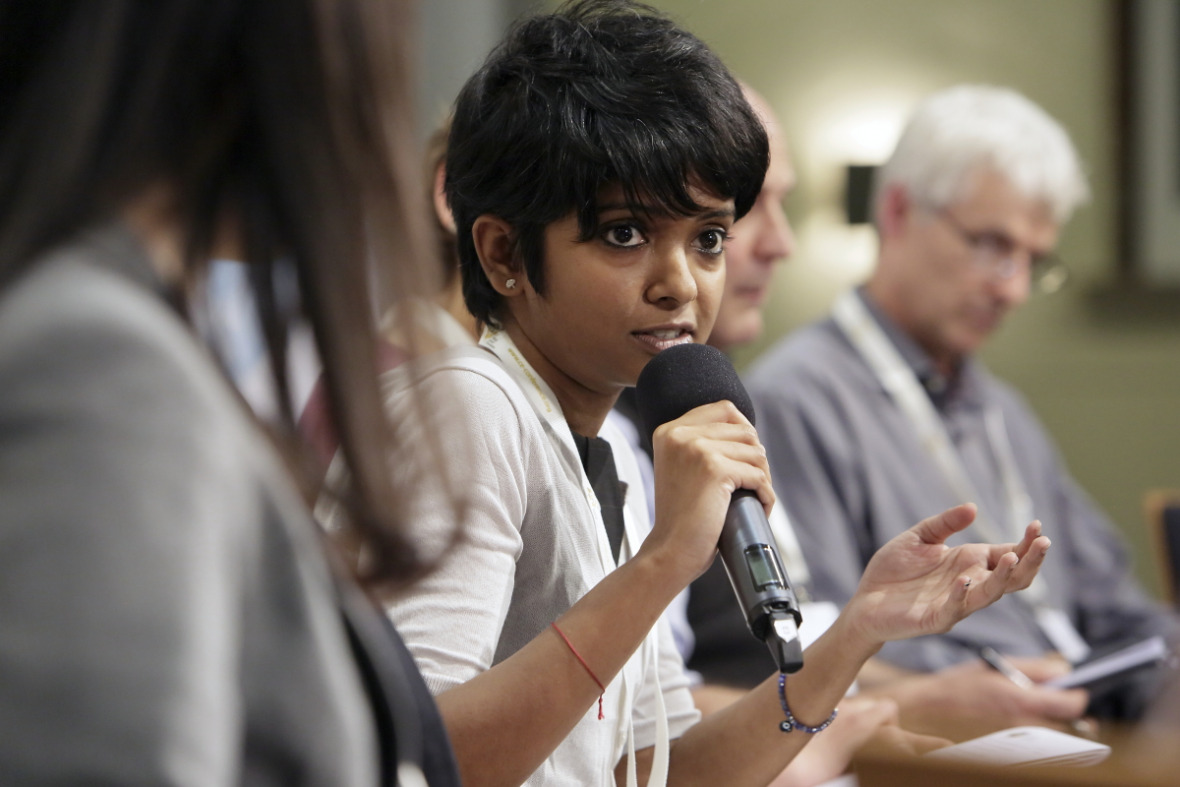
(582,661)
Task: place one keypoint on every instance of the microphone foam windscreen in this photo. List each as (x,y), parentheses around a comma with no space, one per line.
(687,376)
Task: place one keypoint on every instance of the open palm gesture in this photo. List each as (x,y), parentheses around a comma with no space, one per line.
(915,584)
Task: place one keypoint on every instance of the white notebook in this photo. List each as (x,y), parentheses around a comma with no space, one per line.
(1149,651)
(1026,746)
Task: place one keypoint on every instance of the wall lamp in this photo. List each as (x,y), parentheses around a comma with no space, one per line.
(858,192)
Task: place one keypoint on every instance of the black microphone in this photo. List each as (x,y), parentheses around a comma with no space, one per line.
(674,382)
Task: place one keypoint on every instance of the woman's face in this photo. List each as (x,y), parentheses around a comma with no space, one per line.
(639,285)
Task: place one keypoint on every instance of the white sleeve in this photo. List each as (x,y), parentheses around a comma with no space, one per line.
(452,619)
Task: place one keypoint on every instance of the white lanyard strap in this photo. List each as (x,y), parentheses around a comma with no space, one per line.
(905,390)
(902,384)
(545,404)
(903,387)
(658,776)
(1019,501)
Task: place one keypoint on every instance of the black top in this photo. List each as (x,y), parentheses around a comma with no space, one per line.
(725,652)
(599,463)
(410,729)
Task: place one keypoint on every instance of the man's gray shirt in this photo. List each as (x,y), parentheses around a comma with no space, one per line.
(852,475)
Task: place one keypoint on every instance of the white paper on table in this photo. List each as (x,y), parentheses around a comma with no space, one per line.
(1024,746)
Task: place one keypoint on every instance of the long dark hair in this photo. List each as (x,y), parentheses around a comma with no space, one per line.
(283,120)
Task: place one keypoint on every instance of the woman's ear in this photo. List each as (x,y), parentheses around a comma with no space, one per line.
(493,238)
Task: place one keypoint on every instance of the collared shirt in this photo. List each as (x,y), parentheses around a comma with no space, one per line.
(852,475)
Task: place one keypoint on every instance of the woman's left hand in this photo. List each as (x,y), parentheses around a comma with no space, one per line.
(917,585)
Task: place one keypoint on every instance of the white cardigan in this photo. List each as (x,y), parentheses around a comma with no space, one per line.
(533,543)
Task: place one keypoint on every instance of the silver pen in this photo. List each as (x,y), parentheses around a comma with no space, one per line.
(1006,668)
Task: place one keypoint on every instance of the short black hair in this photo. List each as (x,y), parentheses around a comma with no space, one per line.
(599,92)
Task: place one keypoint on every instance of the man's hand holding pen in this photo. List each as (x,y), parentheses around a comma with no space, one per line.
(977,691)
(1018,677)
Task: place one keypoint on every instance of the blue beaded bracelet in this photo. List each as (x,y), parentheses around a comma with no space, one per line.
(791,723)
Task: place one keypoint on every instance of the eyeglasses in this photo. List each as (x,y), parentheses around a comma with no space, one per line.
(997,254)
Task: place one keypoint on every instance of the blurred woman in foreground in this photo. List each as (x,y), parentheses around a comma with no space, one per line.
(169,614)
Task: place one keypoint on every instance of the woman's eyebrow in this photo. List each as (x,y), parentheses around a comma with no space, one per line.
(716,213)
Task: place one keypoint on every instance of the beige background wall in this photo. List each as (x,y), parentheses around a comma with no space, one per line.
(1103,371)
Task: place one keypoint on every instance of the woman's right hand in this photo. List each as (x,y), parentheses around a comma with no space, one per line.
(700,460)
